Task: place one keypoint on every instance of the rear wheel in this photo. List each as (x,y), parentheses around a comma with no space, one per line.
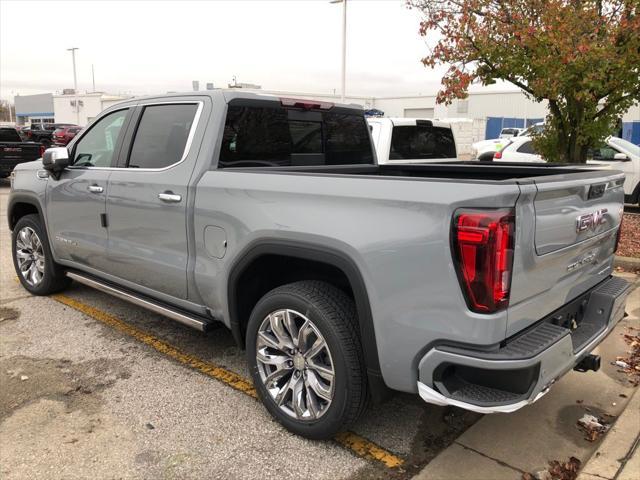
(305,358)
(32,258)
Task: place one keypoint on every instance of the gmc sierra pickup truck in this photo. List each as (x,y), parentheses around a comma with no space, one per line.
(14,151)
(471,285)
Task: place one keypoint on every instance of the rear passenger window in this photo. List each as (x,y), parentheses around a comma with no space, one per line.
(421,142)
(527,147)
(161,136)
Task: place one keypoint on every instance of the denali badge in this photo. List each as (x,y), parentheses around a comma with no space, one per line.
(586,260)
(590,221)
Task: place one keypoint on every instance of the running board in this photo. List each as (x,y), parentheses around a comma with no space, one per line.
(179,316)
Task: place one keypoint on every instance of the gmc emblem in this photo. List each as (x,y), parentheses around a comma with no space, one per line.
(590,221)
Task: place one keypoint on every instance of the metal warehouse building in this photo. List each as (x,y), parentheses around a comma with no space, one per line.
(34,108)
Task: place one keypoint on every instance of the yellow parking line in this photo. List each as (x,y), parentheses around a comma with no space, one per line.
(357,444)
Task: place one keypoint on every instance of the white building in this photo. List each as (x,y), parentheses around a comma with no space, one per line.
(91,104)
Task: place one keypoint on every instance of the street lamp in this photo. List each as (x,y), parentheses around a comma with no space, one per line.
(75,83)
(344,45)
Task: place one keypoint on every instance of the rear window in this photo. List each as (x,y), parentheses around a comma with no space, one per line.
(266,136)
(421,142)
(9,135)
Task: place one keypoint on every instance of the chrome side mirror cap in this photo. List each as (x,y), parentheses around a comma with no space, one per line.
(55,159)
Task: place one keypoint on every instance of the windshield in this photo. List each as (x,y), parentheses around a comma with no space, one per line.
(421,142)
(9,135)
(625,145)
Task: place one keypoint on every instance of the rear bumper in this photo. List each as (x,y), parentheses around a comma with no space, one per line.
(522,370)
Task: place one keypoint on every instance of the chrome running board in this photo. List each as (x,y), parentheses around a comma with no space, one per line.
(179,316)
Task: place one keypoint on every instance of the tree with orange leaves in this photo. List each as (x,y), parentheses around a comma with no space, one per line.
(582,56)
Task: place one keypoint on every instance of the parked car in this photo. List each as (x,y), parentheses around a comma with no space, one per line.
(484,149)
(510,132)
(615,153)
(471,285)
(14,151)
(43,132)
(411,140)
(63,135)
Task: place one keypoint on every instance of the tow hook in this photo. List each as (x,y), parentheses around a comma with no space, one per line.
(590,362)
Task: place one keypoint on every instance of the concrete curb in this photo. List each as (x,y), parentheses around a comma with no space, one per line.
(628,263)
(619,454)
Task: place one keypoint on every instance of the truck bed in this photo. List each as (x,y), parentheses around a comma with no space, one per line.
(457,170)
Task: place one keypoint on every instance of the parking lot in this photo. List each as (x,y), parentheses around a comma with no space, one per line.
(95,387)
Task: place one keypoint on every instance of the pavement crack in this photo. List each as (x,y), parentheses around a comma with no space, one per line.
(13,299)
(623,461)
(499,462)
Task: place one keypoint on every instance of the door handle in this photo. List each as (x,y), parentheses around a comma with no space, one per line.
(95,189)
(170,197)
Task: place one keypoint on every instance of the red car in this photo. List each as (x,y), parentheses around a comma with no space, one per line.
(63,135)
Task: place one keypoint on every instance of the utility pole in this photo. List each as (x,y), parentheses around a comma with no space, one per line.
(93,78)
(75,83)
(344,46)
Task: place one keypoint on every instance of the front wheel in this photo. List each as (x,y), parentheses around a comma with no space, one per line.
(32,258)
(305,358)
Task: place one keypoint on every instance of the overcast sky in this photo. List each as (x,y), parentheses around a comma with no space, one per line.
(153,46)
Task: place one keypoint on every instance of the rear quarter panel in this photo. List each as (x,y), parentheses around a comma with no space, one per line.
(397,232)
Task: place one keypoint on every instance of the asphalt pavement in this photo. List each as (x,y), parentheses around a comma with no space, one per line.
(94,387)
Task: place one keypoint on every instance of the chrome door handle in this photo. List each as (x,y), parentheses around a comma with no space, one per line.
(95,189)
(170,197)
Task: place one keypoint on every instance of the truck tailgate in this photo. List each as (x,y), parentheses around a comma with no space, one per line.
(566,229)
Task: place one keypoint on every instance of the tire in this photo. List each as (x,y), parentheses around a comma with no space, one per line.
(320,313)
(43,275)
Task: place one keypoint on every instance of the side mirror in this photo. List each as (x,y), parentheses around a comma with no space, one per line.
(55,160)
(621,157)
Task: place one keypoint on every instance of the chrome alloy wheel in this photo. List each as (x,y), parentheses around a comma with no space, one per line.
(30,256)
(295,365)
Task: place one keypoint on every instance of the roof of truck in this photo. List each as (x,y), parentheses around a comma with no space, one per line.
(403,122)
(229,94)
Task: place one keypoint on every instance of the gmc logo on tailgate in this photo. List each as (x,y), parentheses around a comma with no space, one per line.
(590,221)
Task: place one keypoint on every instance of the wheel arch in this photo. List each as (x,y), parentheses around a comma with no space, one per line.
(21,205)
(319,254)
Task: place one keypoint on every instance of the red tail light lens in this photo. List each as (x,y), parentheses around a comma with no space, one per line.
(483,252)
(498,155)
(42,149)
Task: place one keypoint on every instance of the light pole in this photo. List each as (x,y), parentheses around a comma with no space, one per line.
(344,45)
(75,83)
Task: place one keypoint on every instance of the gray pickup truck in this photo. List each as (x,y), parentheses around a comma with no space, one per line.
(471,285)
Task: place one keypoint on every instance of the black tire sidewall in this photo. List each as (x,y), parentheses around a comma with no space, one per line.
(50,281)
(331,421)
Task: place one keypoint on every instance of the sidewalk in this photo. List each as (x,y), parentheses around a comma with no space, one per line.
(618,457)
(506,446)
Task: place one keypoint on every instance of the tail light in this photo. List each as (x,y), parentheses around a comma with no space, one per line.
(305,104)
(483,252)
(498,154)
(42,149)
